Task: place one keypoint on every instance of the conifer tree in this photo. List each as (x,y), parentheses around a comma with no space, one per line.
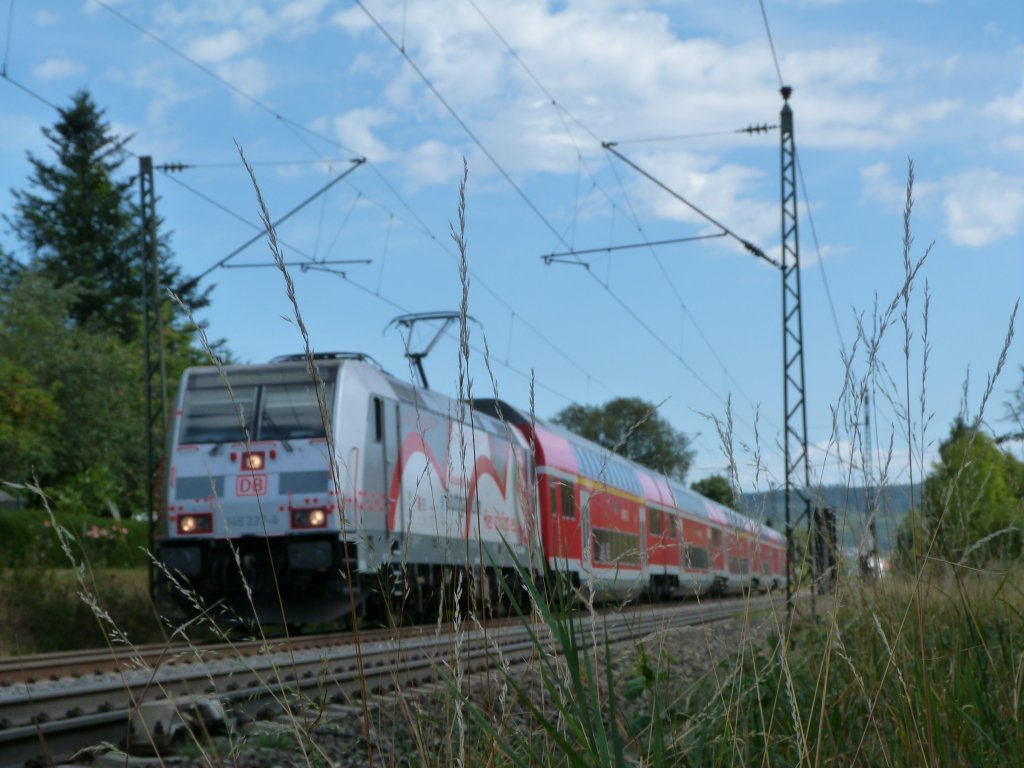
(79,222)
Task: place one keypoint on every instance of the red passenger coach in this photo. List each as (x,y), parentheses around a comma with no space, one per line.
(616,529)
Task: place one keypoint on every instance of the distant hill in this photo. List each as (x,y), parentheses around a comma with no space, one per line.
(850,505)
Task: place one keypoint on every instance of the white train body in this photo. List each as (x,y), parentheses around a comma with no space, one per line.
(372,488)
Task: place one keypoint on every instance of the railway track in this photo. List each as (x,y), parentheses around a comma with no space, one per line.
(95,662)
(54,720)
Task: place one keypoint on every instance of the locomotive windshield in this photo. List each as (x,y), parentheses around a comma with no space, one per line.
(265,405)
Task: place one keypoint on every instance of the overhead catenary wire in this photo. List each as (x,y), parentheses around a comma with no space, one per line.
(303,265)
(295,127)
(275,115)
(462,123)
(433,89)
(563,112)
(686,309)
(771,43)
(326,266)
(750,129)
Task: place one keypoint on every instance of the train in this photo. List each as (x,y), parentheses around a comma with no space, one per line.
(300,499)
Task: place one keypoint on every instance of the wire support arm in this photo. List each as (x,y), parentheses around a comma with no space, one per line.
(571,257)
(260,235)
(753,249)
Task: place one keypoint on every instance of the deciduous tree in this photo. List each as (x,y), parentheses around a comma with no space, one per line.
(971,509)
(632,428)
(717,488)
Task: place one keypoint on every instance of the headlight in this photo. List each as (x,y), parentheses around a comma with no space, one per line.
(252,461)
(309,518)
(189,524)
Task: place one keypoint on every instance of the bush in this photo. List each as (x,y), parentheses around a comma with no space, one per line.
(27,538)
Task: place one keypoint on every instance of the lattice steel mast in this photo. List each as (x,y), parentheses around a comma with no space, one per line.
(794,399)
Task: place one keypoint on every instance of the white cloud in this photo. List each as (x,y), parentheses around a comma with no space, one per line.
(836,66)
(218,48)
(300,16)
(433,163)
(1011,144)
(1009,108)
(983,207)
(354,129)
(620,72)
(251,76)
(878,186)
(58,69)
(45,18)
(730,193)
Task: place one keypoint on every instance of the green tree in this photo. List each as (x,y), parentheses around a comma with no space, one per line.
(71,350)
(75,403)
(971,508)
(1015,410)
(28,416)
(79,223)
(632,428)
(717,488)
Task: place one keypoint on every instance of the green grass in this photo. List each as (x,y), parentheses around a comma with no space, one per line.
(854,689)
(42,609)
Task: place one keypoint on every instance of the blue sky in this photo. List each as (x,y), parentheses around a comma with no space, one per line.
(527,92)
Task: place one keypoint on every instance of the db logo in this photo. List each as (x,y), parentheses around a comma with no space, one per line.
(251,485)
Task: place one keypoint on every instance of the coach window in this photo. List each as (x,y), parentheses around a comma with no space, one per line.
(716,537)
(568,499)
(654,522)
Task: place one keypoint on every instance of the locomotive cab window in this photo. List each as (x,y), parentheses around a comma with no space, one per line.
(272,404)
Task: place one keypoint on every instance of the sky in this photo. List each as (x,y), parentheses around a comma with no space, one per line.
(527,94)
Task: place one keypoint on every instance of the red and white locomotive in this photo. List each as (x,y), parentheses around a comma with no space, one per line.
(293,505)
